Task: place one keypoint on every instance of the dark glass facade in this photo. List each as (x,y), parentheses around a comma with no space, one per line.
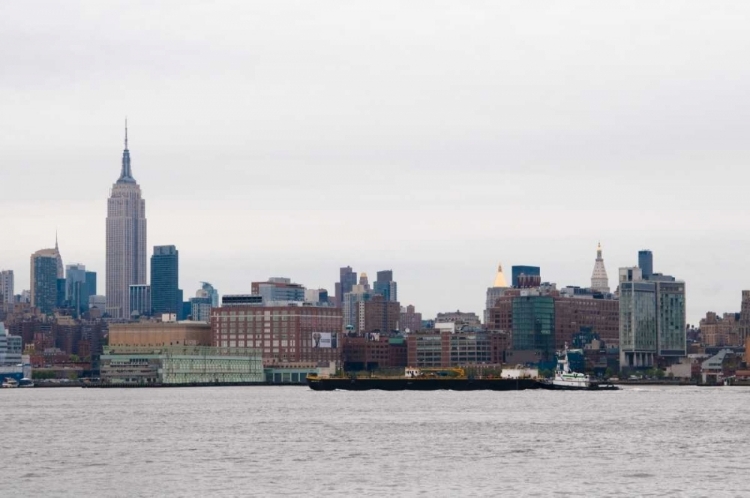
(60,294)
(646,263)
(46,284)
(534,324)
(165,294)
(517,271)
(90,283)
(383,284)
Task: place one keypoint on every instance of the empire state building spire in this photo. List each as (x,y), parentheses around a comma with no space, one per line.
(126,174)
(126,239)
(599,279)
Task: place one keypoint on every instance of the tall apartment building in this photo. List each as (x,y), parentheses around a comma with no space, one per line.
(6,286)
(721,330)
(652,319)
(44,270)
(347,280)
(378,315)
(165,293)
(745,316)
(671,314)
(573,314)
(126,239)
(350,306)
(76,288)
(281,333)
(386,286)
(410,320)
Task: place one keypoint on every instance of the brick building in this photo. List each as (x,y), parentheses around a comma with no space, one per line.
(410,320)
(282,333)
(378,315)
(721,330)
(601,315)
(571,315)
(459,349)
(154,334)
(373,351)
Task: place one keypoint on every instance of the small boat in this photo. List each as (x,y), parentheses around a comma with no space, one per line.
(26,382)
(567,380)
(9,383)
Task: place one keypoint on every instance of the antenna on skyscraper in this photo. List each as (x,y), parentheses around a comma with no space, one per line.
(126,132)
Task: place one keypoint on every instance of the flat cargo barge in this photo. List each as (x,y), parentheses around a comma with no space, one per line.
(418,384)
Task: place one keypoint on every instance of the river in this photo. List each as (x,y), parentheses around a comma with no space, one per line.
(291,441)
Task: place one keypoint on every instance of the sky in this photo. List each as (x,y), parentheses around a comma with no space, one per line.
(436,139)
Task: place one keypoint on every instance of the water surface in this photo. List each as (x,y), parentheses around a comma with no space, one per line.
(291,441)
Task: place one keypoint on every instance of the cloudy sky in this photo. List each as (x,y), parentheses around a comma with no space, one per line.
(434,139)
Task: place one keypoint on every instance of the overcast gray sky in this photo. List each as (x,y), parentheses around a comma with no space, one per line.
(435,139)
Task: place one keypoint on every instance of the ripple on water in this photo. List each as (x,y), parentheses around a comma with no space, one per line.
(295,442)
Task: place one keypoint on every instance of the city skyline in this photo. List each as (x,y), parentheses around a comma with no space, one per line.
(126,180)
(447,162)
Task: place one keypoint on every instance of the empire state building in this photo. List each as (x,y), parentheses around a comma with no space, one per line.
(126,239)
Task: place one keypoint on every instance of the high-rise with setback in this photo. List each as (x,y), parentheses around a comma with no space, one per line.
(126,239)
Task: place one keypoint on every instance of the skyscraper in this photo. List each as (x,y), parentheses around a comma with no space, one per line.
(652,319)
(745,316)
(76,290)
(126,239)
(44,280)
(364,281)
(499,286)
(386,286)
(165,293)
(500,277)
(646,263)
(208,290)
(6,286)
(60,267)
(90,283)
(599,279)
(347,279)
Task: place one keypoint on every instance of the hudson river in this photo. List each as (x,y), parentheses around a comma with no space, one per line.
(291,441)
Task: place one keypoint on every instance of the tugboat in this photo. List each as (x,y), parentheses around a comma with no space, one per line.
(567,380)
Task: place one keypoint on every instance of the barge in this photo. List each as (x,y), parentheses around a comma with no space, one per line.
(453,379)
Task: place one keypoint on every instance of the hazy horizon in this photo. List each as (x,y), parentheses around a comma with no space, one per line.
(433,139)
